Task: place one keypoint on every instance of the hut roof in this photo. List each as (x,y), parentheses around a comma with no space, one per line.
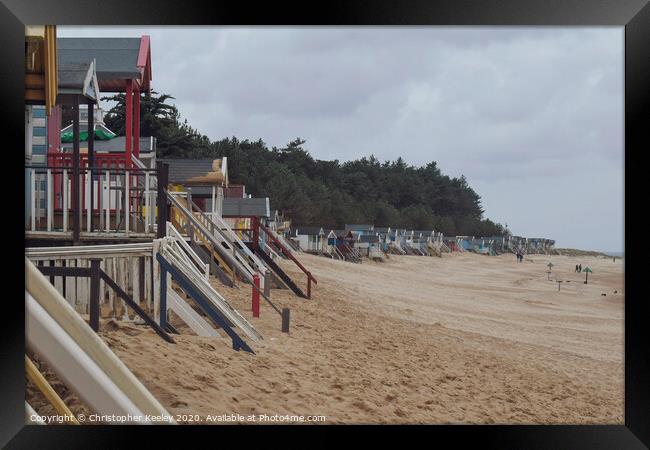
(246,207)
(309,230)
(359,227)
(118,59)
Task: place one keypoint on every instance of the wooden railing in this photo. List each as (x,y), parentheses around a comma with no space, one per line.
(129,265)
(289,254)
(117,200)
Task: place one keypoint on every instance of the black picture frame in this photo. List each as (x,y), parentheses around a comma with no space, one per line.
(634,15)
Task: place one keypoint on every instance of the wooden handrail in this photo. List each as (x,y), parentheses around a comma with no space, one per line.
(287,252)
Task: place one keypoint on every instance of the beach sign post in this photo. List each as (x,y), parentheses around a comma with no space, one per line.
(587,271)
(558,285)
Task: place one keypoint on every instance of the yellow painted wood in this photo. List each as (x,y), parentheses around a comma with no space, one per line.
(41,383)
(51,71)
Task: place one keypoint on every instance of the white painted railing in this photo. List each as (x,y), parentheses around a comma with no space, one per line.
(129,265)
(123,200)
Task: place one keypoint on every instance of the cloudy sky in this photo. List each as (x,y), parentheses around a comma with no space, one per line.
(533,117)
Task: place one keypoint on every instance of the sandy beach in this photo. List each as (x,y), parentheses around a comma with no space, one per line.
(464,338)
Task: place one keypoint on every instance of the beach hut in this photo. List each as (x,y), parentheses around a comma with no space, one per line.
(205,179)
(123,65)
(115,195)
(345,241)
(312,239)
(369,245)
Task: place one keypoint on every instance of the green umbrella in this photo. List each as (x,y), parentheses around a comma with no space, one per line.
(101,134)
(587,271)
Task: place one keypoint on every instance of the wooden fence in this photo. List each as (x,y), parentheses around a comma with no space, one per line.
(129,265)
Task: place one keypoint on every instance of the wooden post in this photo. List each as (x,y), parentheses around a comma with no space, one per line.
(136,122)
(76,206)
(255,222)
(162,171)
(128,101)
(141,283)
(155,277)
(107,189)
(50,198)
(127,201)
(91,158)
(214,201)
(308,285)
(33,186)
(256,295)
(94,294)
(285,320)
(147,203)
(267,284)
(163,298)
(188,225)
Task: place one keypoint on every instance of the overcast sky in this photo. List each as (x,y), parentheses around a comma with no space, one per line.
(533,117)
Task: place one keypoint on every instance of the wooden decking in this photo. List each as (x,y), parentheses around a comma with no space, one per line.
(95,237)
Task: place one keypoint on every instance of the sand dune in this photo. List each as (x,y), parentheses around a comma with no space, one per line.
(460,339)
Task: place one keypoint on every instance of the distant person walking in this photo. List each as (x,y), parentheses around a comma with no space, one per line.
(577,270)
(580,268)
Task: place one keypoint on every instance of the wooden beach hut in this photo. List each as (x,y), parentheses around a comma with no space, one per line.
(312,239)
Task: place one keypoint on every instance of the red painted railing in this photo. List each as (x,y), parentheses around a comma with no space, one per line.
(289,255)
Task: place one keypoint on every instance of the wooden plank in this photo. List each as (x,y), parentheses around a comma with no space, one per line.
(193,319)
(147,284)
(127,202)
(156,280)
(83,289)
(58,281)
(118,280)
(147,203)
(118,202)
(35,81)
(65,200)
(68,286)
(102,287)
(50,196)
(89,212)
(171,231)
(203,286)
(73,285)
(33,199)
(111,294)
(35,95)
(107,201)
(100,199)
(135,279)
(125,283)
